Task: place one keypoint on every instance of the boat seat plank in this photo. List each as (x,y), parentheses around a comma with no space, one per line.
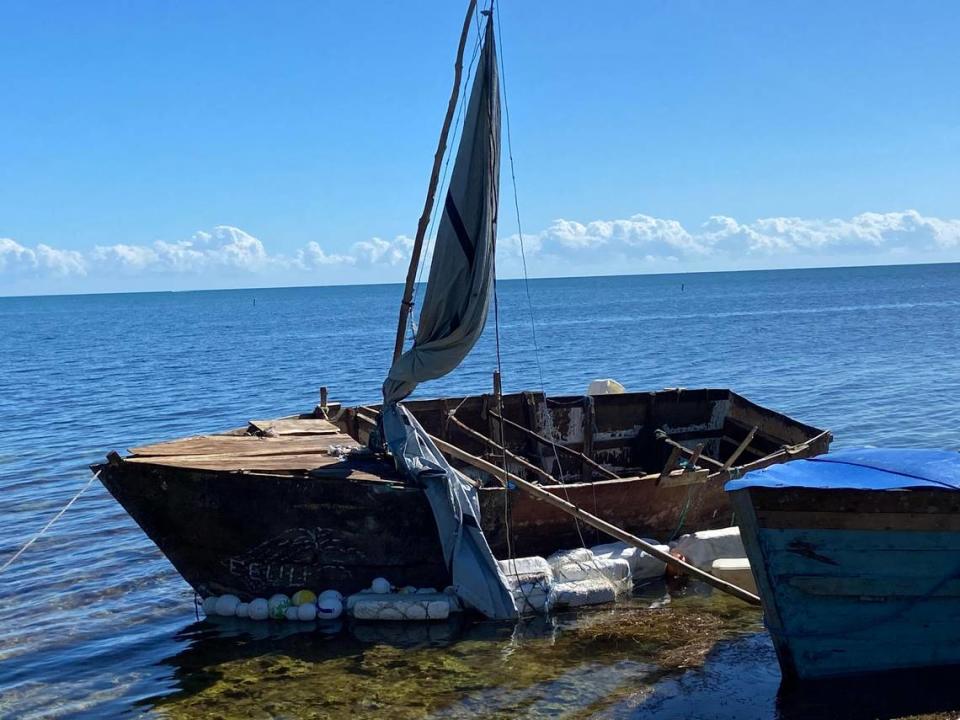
(245,445)
(295,426)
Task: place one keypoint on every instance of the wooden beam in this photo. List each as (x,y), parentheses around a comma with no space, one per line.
(661,435)
(671,463)
(406,305)
(740,448)
(562,448)
(695,456)
(592,520)
(499,448)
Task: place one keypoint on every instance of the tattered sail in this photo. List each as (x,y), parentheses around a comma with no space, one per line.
(461,272)
(451,321)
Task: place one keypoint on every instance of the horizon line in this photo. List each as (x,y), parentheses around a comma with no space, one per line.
(502,279)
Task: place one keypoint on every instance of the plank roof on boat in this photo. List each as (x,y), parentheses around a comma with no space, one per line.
(294,446)
(245,445)
(295,426)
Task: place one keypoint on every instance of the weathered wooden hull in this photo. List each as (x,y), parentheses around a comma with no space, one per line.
(855,581)
(254,534)
(257,515)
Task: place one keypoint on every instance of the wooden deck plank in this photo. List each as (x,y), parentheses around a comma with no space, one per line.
(231,463)
(244,445)
(296,426)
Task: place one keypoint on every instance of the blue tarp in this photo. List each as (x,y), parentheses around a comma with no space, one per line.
(861,469)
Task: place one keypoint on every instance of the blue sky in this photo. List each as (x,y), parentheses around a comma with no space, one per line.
(163,144)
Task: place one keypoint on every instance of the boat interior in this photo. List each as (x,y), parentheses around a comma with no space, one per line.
(677,436)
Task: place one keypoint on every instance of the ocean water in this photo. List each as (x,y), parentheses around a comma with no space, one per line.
(95,623)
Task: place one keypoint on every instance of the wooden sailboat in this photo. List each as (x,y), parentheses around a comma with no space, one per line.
(273,506)
(335,497)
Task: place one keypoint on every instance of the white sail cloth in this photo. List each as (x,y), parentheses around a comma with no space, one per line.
(451,321)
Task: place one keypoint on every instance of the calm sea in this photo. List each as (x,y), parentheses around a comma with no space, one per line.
(94,622)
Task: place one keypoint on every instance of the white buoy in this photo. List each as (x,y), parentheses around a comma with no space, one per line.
(380,586)
(243,610)
(327,594)
(290,613)
(227,605)
(278,605)
(209,606)
(259,609)
(306,613)
(329,609)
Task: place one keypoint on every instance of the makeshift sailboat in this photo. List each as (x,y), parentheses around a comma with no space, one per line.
(420,491)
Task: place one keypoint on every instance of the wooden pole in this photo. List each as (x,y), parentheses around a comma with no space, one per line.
(406,305)
(602,525)
(661,435)
(740,448)
(499,448)
(562,448)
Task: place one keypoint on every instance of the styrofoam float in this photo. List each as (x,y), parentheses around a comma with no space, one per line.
(642,565)
(702,548)
(577,593)
(736,571)
(397,606)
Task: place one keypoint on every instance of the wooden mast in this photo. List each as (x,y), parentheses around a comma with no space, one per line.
(406,305)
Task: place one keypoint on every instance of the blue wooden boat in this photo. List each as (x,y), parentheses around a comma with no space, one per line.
(856,555)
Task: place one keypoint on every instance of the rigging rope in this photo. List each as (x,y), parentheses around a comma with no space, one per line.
(46,527)
(526,278)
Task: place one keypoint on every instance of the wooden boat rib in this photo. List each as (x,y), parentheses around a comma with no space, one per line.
(299,502)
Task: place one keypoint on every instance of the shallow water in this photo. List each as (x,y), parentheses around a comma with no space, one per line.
(96,622)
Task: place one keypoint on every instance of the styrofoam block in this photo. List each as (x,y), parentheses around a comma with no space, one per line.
(392,606)
(527,569)
(566,557)
(736,571)
(642,565)
(531,597)
(594,591)
(616,570)
(702,548)
(351,599)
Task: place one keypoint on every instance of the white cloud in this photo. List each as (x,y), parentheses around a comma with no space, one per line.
(724,240)
(16,258)
(313,256)
(638,231)
(566,247)
(376,250)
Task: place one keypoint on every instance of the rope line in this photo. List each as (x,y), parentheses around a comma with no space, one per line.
(46,527)
(526,278)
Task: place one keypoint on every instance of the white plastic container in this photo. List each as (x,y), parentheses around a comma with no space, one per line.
(736,571)
(702,548)
(607,386)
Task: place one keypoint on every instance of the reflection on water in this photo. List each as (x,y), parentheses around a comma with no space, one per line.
(571,665)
